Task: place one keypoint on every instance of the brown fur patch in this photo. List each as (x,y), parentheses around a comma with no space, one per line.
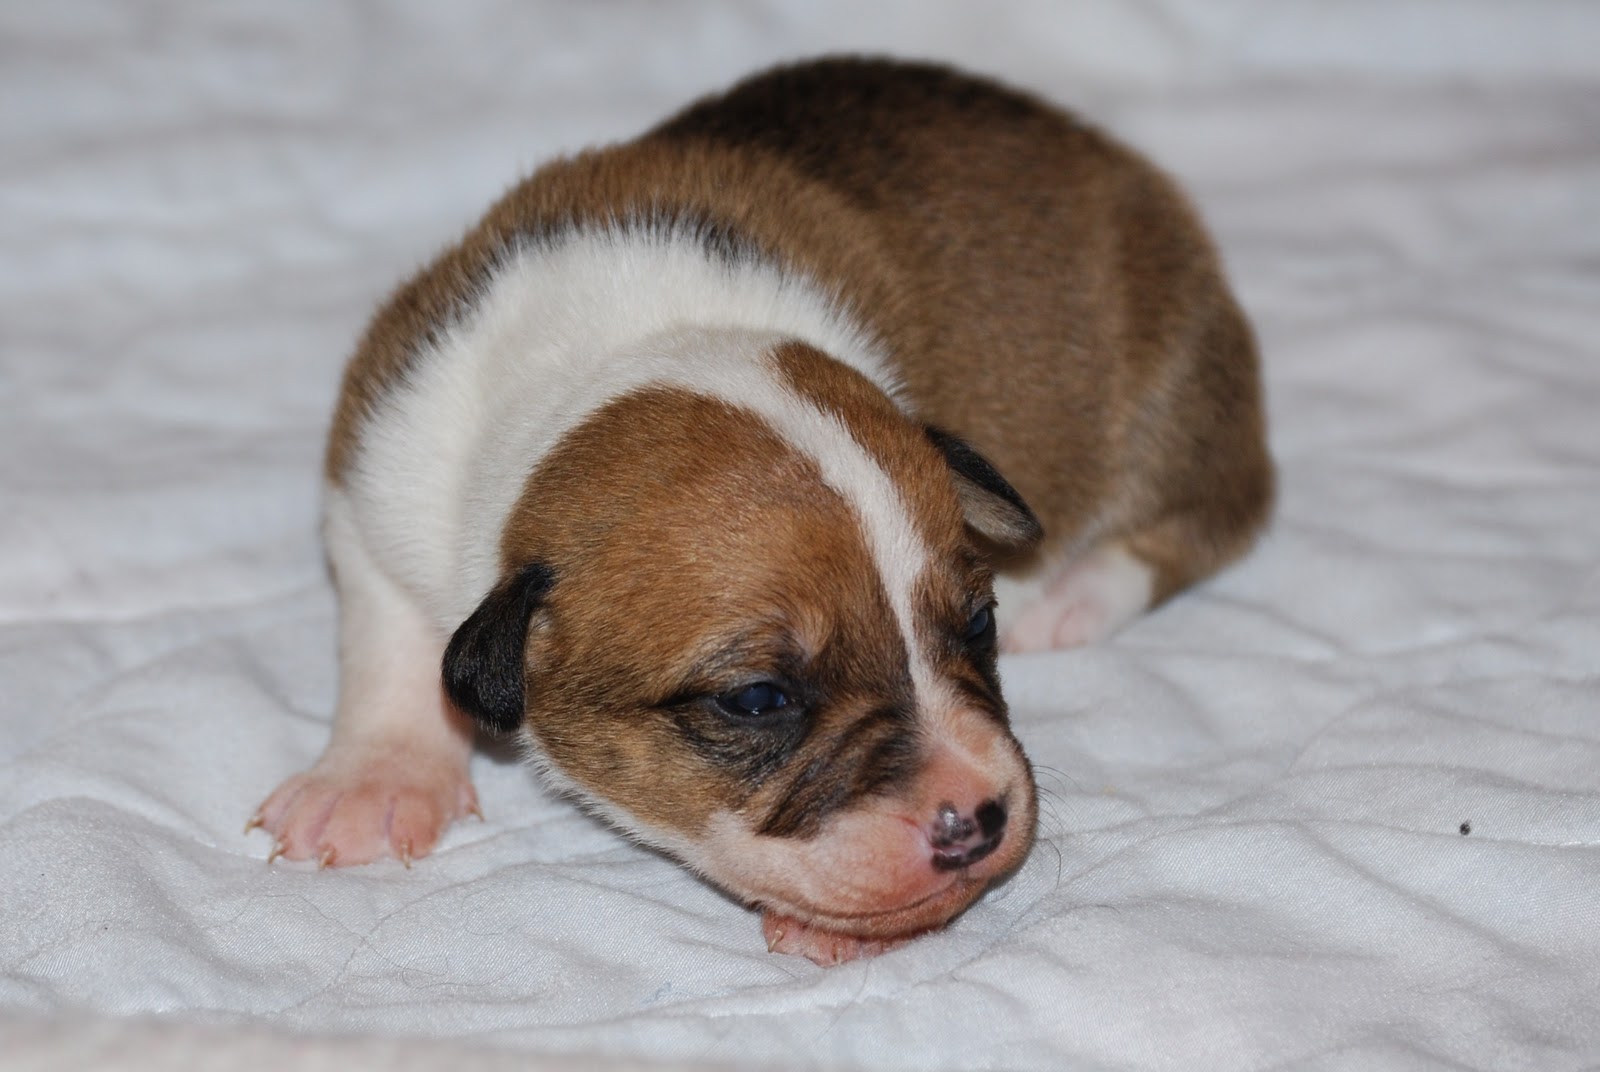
(689,544)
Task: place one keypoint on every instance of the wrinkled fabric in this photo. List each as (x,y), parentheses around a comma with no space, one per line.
(1338,808)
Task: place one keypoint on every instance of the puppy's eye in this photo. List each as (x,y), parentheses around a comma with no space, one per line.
(754,701)
(980,627)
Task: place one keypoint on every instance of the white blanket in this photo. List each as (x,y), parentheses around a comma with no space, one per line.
(1338,808)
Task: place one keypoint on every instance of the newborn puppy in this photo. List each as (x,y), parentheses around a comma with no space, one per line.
(685,465)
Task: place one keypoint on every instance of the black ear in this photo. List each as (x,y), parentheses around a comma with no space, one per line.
(483,664)
(992,507)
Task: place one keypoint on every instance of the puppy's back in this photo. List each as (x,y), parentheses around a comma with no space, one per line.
(1056,299)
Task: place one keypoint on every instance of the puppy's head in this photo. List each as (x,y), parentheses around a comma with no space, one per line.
(754,627)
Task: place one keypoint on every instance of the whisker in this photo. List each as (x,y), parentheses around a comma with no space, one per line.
(1058,775)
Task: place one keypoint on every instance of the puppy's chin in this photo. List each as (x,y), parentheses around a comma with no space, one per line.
(833,941)
(905,921)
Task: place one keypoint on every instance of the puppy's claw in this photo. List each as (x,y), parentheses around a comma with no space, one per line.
(774,938)
(405,854)
(326,860)
(473,809)
(255,823)
(277,851)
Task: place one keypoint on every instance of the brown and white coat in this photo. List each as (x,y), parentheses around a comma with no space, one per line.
(674,452)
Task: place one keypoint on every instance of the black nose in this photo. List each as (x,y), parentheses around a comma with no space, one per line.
(960,840)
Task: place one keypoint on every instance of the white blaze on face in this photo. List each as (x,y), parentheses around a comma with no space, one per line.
(898,551)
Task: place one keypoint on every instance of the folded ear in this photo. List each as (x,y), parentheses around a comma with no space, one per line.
(483,672)
(992,507)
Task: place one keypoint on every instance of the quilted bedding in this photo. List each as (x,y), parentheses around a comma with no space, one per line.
(1339,808)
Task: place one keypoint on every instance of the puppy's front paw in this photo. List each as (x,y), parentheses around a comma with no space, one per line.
(356,808)
(786,934)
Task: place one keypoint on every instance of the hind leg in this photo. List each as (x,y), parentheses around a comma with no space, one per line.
(1091,596)
(1087,599)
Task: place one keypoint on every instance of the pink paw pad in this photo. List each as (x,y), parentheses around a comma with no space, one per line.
(343,813)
